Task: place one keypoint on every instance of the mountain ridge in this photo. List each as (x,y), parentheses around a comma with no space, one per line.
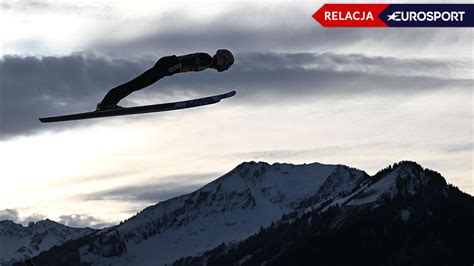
(235,206)
(429,225)
(20,242)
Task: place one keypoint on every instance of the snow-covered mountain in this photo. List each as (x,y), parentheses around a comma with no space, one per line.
(18,242)
(404,215)
(231,208)
(236,206)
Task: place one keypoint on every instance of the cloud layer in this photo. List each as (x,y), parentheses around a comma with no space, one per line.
(14,215)
(151,193)
(83,220)
(73,220)
(286,28)
(34,87)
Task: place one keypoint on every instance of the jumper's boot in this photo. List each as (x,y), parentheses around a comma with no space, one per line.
(107,107)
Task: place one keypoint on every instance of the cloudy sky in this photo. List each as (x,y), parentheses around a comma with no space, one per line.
(361,97)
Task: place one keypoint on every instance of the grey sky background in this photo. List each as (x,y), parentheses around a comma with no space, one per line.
(362,97)
(46,86)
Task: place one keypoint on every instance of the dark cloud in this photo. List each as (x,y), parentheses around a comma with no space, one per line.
(9,214)
(13,215)
(151,193)
(82,220)
(270,28)
(33,218)
(73,220)
(239,27)
(32,87)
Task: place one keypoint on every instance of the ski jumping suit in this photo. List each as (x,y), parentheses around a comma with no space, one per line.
(166,66)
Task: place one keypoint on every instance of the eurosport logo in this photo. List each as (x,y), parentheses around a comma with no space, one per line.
(395,15)
(427,16)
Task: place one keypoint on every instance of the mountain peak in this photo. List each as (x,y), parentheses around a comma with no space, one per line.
(6,222)
(252,196)
(45,223)
(408,178)
(246,166)
(9,224)
(406,222)
(408,165)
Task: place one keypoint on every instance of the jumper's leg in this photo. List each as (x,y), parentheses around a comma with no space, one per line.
(118,93)
(166,66)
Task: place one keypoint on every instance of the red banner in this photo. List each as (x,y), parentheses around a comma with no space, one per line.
(350,15)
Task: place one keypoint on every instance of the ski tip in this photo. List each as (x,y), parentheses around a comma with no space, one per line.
(230,94)
(46,120)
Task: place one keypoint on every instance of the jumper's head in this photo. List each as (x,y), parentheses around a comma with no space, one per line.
(223,59)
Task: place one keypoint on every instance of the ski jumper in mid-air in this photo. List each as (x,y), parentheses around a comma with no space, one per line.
(167,66)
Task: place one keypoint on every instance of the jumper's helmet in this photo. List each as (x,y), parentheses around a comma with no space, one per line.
(223,59)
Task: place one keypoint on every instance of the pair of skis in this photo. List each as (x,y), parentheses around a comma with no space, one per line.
(141,109)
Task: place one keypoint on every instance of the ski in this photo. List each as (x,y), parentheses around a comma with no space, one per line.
(140,109)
